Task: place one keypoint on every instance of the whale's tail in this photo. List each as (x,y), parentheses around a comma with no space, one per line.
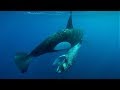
(22,61)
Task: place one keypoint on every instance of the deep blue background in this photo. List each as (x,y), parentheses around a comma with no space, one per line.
(98,58)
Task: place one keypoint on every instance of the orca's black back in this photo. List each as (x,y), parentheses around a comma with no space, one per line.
(48,45)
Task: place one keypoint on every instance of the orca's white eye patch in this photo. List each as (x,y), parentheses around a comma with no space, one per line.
(62,45)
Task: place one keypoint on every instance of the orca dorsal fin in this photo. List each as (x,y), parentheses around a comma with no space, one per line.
(69,23)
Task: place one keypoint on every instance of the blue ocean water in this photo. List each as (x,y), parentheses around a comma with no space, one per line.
(98,58)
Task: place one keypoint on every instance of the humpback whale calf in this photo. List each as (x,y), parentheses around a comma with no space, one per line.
(69,34)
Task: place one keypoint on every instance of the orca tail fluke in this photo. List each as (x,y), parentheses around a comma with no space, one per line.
(22,61)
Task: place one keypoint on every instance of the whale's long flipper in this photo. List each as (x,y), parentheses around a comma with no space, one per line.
(69,23)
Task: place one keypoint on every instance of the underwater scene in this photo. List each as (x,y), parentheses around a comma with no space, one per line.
(60,45)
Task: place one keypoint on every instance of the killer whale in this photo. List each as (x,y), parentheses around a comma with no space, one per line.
(69,34)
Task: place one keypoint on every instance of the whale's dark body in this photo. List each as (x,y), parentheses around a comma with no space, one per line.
(69,34)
